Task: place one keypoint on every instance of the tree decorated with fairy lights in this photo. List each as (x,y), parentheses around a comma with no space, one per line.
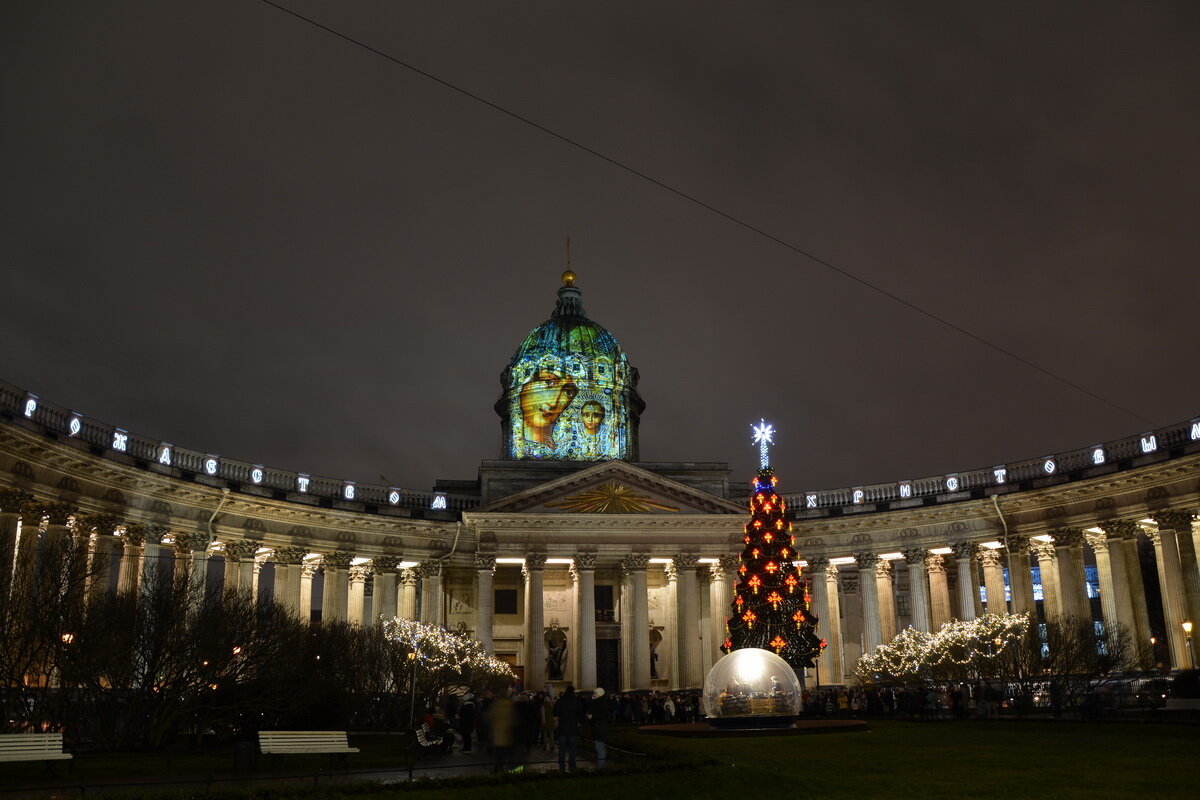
(771,600)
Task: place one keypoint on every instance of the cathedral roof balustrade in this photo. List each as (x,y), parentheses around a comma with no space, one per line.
(102,439)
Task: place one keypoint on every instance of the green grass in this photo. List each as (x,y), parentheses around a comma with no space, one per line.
(892,760)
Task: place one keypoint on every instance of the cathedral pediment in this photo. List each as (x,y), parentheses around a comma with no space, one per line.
(614,487)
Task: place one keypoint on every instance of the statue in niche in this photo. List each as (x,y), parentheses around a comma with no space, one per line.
(655,641)
(556,652)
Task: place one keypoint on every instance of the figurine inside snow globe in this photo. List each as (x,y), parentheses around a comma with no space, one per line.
(751,688)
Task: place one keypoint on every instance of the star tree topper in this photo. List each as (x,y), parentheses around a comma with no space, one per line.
(764,435)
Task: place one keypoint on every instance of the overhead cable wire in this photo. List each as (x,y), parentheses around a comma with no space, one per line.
(706,206)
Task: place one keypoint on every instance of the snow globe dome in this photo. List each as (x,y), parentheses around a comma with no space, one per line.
(751,688)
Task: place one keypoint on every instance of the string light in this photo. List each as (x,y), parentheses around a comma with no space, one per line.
(915,654)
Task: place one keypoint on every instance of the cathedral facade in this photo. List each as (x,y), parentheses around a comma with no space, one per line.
(575,561)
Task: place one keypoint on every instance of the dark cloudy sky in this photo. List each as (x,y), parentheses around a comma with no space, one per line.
(231,230)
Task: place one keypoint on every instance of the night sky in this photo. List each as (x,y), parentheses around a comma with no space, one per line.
(228,229)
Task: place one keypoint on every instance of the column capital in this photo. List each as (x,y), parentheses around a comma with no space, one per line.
(584,561)
(134,534)
(194,542)
(359,573)
(682,561)
(430,568)
(990,558)
(883,569)
(1045,551)
(729,563)
(382,564)
(485,562)
(55,513)
(1097,541)
(1174,520)
(635,562)
(1017,543)
(534,562)
(103,524)
(934,563)
(154,534)
(1067,537)
(308,569)
(866,560)
(817,565)
(15,501)
(964,550)
(240,550)
(670,571)
(408,577)
(1120,528)
(915,555)
(289,555)
(338,559)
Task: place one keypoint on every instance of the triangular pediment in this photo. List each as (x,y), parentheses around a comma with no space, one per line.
(613,487)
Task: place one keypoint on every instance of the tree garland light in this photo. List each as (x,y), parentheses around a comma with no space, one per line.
(918,655)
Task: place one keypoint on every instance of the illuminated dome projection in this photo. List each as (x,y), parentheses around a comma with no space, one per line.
(569,393)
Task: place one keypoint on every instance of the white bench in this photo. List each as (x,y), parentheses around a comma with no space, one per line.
(32,747)
(281,743)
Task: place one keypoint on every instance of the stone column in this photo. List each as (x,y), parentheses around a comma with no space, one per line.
(1047,558)
(833,628)
(869,595)
(239,566)
(583,570)
(1072,583)
(1191,572)
(820,606)
(638,629)
(408,594)
(433,604)
(335,600)
(131,559)
(687,605)
(1115,533)
(670,632)
(356,597)
(720,592)
(968,588)
(1108,595)
(287,577)
(386,598)
(918,588)
(1170,576)
(12,502)
(1137,591)
(1020,577)
(485,605)
(307,570)
(939,591)
(535,623)
(993,580)
(100,556)
(885,586)
(156,557)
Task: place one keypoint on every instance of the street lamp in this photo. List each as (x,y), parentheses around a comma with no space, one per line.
(1187,628)
(412,702)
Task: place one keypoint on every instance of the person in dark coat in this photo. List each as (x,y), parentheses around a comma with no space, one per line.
(466,720)
(566,711)
(599,714)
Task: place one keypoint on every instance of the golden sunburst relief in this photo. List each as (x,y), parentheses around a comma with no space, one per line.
(610,498)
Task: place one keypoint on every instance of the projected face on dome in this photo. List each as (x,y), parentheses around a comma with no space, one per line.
(566,409)
(543,399)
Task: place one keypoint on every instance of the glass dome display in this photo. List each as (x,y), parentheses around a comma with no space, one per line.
(751,688)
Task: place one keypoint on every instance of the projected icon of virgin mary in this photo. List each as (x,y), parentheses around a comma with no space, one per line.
(543,399)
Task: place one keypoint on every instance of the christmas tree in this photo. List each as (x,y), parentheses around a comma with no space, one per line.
(771,600)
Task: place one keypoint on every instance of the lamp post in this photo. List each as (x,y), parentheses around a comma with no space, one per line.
(1187,629)
(412,701)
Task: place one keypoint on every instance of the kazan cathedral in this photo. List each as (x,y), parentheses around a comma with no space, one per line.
(573,560)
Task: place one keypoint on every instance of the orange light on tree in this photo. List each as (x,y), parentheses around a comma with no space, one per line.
(749,617)
(778,643)
(790,582)
(771,567)
(774,598)
(755,583)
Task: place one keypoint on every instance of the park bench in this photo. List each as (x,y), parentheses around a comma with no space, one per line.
(46,747)
(280,743)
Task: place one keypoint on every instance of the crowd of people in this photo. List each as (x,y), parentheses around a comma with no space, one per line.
(957,701)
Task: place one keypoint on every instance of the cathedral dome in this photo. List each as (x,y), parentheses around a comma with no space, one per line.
(569,391)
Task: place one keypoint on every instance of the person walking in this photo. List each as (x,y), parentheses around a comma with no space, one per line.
(599,715)
(466,720)
(566,712)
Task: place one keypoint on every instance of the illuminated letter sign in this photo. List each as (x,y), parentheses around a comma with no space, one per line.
(810,501)
(1149,443)
(952,483)
(1195,431)
(1098,455)
(348,491)
(906,490)
(1049,465)
(30,406)
(302,482)
(394,497)
(210,466)
(1001,474)
(120,440)
(74,426)
(164,455)
(256,475)
(858,495)
(439,501)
